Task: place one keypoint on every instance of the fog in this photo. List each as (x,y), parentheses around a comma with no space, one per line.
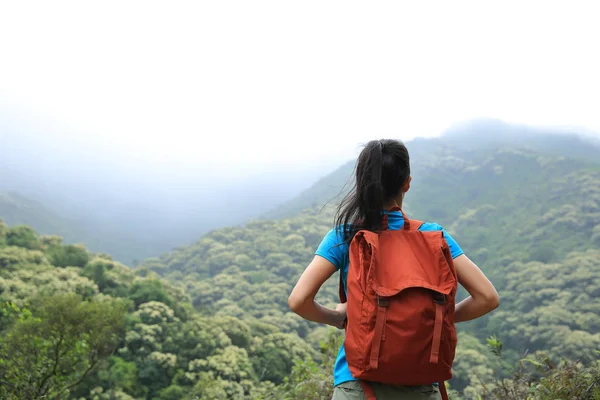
(181,117)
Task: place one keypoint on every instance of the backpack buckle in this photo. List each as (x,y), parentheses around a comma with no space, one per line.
(439,298)
(382,301)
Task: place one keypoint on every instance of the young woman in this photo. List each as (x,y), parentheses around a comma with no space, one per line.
(382,180)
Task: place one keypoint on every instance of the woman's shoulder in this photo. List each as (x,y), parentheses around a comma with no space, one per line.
(455,249)
(430,226)
(336,234)
(333,247)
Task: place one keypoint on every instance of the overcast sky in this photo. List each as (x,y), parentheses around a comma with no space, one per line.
(221,84)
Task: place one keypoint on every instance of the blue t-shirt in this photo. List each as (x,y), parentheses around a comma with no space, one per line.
(337,254)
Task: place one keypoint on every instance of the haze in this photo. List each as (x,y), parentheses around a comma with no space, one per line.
(247,85)
(114,105)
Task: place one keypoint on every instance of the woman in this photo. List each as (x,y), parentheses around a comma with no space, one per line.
(382,180)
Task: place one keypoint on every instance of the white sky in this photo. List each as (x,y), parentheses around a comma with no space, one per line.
(289,83)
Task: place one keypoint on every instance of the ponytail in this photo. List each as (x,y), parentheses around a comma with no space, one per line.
(381,170)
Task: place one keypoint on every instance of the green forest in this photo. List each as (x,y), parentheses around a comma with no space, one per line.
(211,320)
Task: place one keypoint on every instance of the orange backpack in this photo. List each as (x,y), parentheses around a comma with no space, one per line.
(400,313)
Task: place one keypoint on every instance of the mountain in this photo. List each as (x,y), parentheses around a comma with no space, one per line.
(132,229)
(16,209)
(470,142)
(129,204)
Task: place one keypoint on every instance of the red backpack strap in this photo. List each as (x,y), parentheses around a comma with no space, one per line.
(415,224)
(343,298)
(443,391)
(341,291)
(368,390)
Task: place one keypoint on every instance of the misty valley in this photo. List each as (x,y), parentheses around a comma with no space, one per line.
(175,302)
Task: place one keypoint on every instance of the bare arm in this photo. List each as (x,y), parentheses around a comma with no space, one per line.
(483,295)
(302,299)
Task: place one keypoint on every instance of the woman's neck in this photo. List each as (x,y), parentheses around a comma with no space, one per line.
(391,204)
(397,202)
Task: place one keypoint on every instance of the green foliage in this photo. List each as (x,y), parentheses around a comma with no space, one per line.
(3,233)
(23,236)
(538,377)
(275,355)
(120,374)
(310,380)
(237,330)
(146,290)
(111,277)
(51,350)
(13,259)
(264,258)
(173,392)
(551,306)
(69,255)
(472,366)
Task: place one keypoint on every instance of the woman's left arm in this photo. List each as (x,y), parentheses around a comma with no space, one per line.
(302,299)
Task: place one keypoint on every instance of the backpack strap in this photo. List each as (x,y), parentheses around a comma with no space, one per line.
(341,291)
(416,224)
(343,297)
(443,391)
(368,390)
(382,304)
(437,332)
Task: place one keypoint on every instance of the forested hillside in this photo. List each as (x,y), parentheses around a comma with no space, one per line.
(16,209)
(110,236)
(77,325)
(211,321)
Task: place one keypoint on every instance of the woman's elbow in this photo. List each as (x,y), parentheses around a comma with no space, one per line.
(295,303)
(493,300)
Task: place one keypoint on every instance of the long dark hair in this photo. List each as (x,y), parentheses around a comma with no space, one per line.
(382,168)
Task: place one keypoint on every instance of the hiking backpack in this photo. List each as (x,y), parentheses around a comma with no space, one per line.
(400,307)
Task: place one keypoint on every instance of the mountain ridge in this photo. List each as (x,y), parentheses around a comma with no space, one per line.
(468,142)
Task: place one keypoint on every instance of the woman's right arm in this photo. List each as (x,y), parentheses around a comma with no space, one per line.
(302,299)
(483,295)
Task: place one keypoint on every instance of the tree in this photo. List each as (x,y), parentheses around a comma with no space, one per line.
(3,231)
(274,355)
(146,290)
(68,256)
(46,353)
(23,236)
(237,330)
(111,277)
